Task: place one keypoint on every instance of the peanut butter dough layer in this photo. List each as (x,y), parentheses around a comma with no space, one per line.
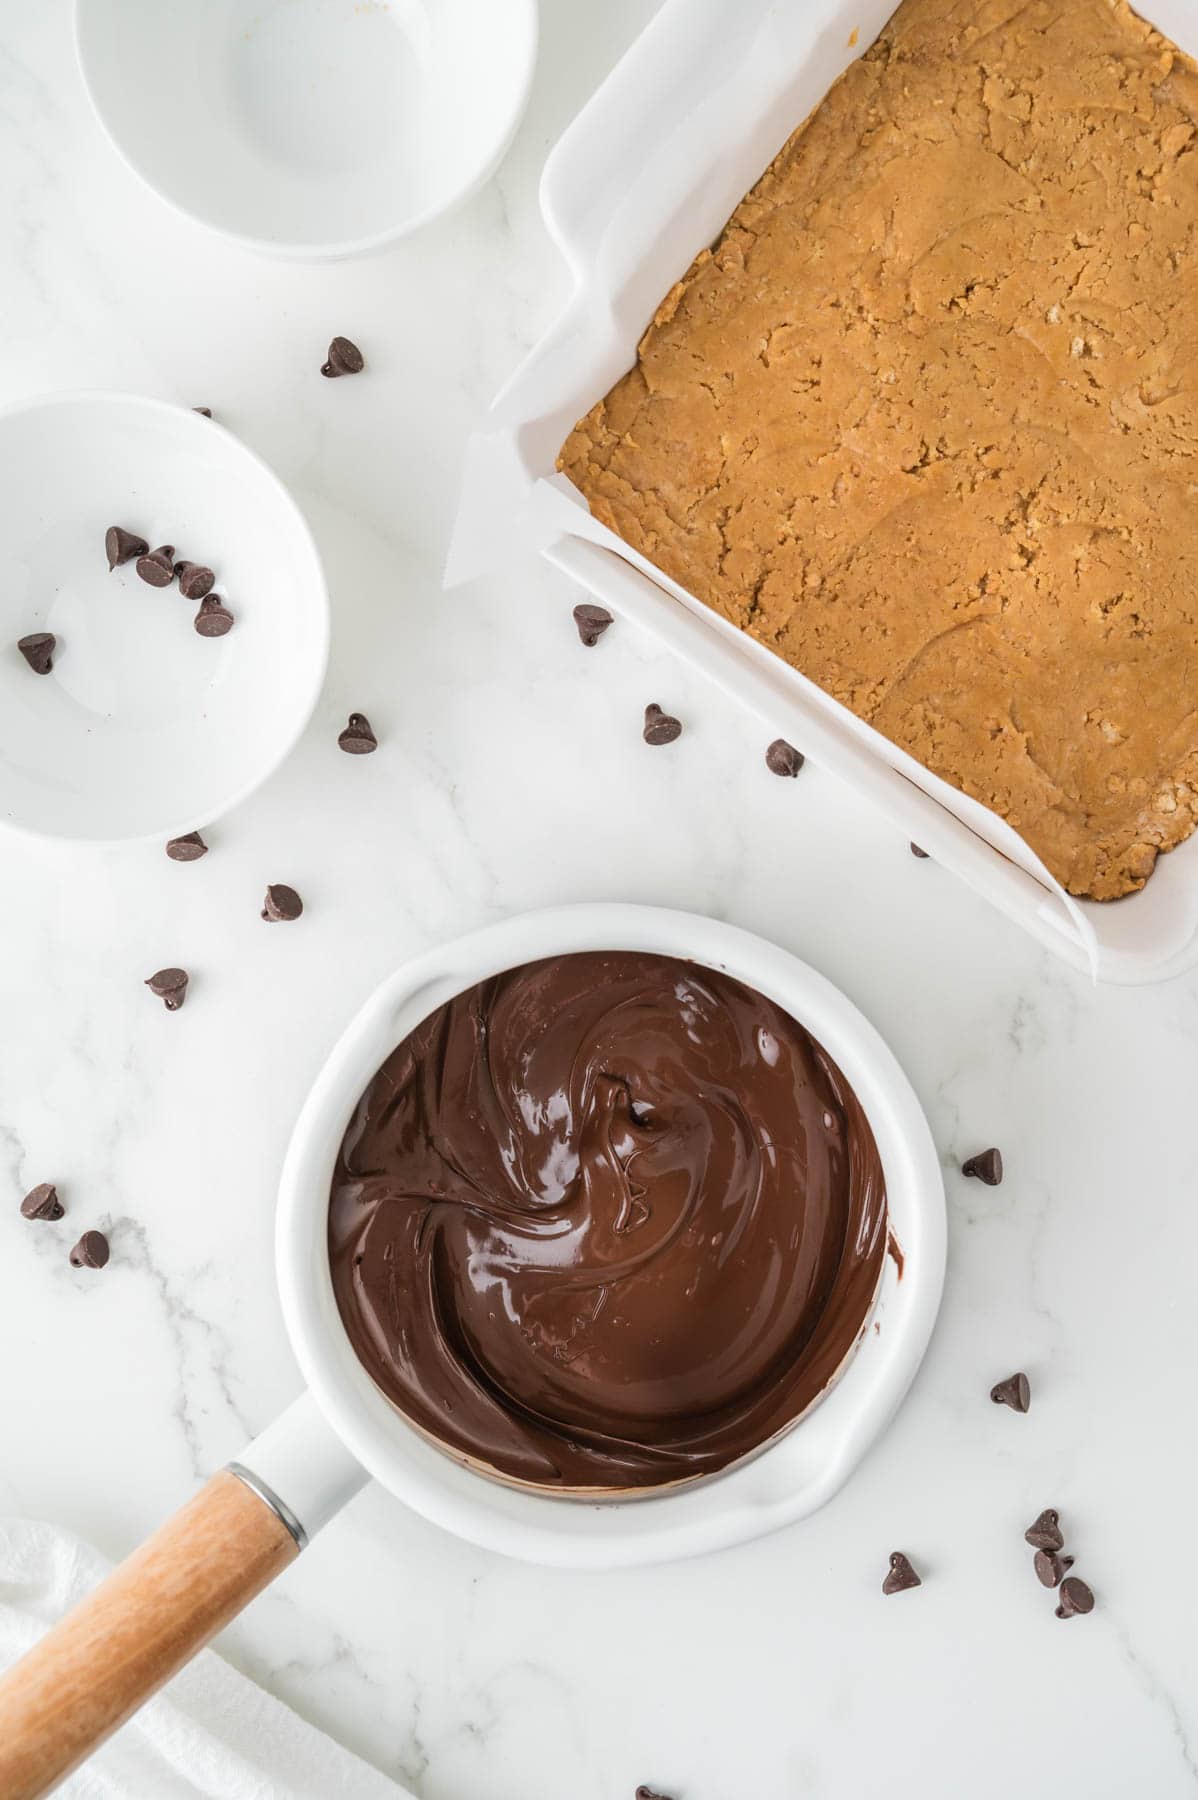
(925,420)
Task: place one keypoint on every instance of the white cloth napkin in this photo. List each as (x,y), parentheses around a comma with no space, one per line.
(210,1735)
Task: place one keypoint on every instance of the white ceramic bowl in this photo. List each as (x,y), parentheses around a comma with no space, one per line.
(299,1461)
(309,128)
(143,728)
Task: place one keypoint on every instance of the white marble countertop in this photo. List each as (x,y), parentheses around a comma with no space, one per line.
(511,774)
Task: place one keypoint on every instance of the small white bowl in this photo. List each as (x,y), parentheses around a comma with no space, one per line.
(309,128)
(143,728)
(305,1464)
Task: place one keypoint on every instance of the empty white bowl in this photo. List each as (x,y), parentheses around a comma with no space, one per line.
(309,128)
(143,727)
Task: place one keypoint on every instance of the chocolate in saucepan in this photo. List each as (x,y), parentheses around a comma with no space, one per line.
(606,1221)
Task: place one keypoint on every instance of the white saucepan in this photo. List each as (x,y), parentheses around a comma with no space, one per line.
(97,1666)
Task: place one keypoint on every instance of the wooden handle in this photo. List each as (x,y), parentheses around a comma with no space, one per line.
(94,1668)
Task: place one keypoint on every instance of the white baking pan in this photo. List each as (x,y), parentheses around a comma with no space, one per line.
(100,1663)
(646,176)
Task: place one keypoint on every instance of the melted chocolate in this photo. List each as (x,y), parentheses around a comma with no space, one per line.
(606,1221)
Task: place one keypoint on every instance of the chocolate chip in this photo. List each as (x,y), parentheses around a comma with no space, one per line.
(986,1166)
(205,411)
(358,739)
(214,618)
(121,546)
(900,1575)
(344,359)
(158,566)
(660,727)
(916,851)
(592,622)
(783,759)
(648,1793)
(1074,1597)
(38,651)
(170,986)
(42,1202)
(194,580)
(187,849)
(1050,1567)
(282,903)
(91,1252)
(1044,1533)
(1014,1392)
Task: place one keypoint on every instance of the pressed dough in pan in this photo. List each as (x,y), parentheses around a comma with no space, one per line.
(925,420)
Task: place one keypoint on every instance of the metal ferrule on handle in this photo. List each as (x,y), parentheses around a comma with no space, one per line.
(94,1668)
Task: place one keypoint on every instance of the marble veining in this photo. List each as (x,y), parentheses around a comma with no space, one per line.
(511,773)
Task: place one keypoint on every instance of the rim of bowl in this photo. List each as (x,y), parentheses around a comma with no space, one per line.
(336,249)
(753,1496)
(289,739)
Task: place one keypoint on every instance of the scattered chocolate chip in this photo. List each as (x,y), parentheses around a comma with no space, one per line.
(187,849)
(900,1575)
(214,618)
(38,651)
(194,580)
(1044,1533)
(91,1252)
(986,1166)
(592,622)
(783,759)
(916,851)
(158,566)
(344,359)
(170,986)
(42,1202)
(1014,1392)
(1050,1567)
(358,739)
(1074,1597)
(121,546)
(648,1793)
(281,903)
(660,727)
(206,411)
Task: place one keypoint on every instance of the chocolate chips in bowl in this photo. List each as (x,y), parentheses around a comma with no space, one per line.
(116,721)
